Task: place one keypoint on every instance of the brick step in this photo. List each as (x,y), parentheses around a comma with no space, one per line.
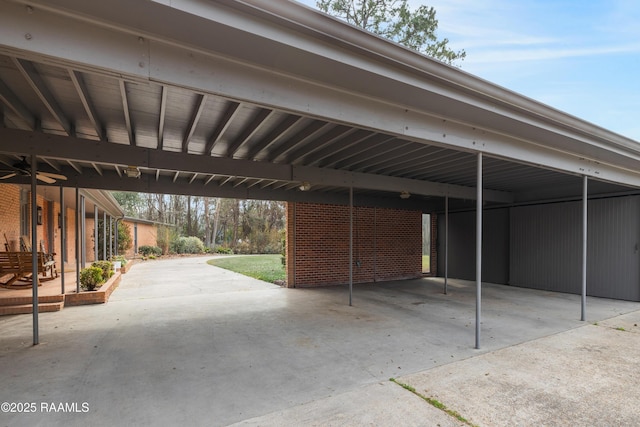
(28,308)
(26,300)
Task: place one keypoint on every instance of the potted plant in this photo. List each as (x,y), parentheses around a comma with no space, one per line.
(119,263)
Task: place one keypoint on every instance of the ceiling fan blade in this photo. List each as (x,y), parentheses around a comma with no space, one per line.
(53,175)
(45,178)
(11,175)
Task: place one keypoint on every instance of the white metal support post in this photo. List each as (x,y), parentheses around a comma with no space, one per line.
(479,252)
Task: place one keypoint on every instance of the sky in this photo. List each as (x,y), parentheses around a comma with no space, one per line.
(579,56)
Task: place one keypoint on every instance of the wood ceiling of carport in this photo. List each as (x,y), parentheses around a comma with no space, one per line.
(250,98)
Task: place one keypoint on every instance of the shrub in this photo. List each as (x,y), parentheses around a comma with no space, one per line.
(149,250)
(106,267)
(243,247)
(187,245)
(165,236)
(176,246)
(90,278)
(194,245)
(224,250)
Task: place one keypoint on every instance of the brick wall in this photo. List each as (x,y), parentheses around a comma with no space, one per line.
(70,225)
(10,215)
(10,223)
(147,236)
(90,239)
(387,244)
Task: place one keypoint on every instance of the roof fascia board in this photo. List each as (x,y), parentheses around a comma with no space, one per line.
(307,30)
(104,200)
(395,62)
(61,39)
(311,21)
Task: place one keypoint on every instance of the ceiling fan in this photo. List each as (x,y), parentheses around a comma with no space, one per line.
(24,168)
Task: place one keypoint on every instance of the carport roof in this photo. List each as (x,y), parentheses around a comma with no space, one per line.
(252,98)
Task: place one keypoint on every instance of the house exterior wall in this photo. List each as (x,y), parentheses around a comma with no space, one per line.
(10,215)
(387,244)
(70,245)
(48,233)
(90,240)
(147,235)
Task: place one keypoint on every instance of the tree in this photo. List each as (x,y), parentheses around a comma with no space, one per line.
(249,226)
(129,201)
(394,20)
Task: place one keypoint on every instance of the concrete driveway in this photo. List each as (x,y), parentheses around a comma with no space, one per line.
(182,342)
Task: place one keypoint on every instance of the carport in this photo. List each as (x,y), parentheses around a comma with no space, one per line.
(273,100)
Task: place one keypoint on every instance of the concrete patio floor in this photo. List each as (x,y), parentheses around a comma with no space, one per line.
(182,342)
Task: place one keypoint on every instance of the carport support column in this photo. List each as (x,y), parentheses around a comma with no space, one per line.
(96,232)
(62,225)
(446,243)
(34,250)
(83,231)
(116,236)
(77,233)
(583,315)
(104,236)
(479,251)
(350,245)
(110,237)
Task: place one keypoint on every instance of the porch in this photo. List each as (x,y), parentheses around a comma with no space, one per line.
(51,296)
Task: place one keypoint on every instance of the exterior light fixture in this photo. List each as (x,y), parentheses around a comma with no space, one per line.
(132,172)
(305,186)
(405,195)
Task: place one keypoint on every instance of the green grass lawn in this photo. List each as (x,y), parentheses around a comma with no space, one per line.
(267,267)
(263,267)
(426,263)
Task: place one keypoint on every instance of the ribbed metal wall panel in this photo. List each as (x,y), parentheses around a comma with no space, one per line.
(462,249)
(546,247)
(539,247)
(613,258)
